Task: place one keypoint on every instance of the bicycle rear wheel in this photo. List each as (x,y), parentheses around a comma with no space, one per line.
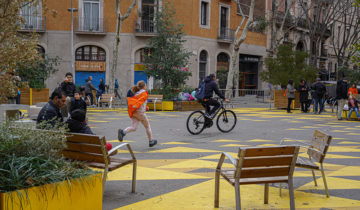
(195,123)
(226,121)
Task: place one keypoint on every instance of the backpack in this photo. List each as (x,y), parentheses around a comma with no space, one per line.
(200,92)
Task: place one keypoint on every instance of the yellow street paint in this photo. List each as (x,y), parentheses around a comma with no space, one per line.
(346,171)
(126,151)
(267,145)
(337,126)
(310,127)
(352,128)
(338,138)
(353,134)
(295,129)
(302,174)
(98,121)
(196,164)
(343,149)
(201,196)
(333,183)
(234,145)
(339,131)
(225,140)
(175,142)
(340,156)
(144,173)
(181,150)
(153,163)
(217,156)
(348,142)
(294,121)
(259,120)
(260,140)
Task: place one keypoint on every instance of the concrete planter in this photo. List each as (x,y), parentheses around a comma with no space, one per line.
(32,96)
(281,101)
(82,193)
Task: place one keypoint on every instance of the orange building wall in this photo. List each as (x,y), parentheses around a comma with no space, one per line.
(187,13)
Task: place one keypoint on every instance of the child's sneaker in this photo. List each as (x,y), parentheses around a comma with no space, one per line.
(152,143)
(121,135)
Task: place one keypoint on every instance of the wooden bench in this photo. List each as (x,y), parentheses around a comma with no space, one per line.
(316,151)
(92,150)
(156,99)
(258,165)
(106,98)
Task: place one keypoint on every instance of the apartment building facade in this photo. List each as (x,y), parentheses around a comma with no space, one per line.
(208,24)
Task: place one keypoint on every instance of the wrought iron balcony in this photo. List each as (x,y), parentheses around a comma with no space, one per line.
(95,25)
(226,35)
(145,28)
(33,23)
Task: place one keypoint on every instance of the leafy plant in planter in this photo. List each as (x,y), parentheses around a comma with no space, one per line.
(30,158)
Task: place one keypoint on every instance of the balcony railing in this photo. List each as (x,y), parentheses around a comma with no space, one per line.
(33,23)
(95,25)
(226,34)
(145,27)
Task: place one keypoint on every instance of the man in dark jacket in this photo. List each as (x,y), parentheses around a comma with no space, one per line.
(68,88)
(50,114)
(318,96)
(210,87)
(77,103)
(303,89)
(88,89)
(341,96)
(77,122)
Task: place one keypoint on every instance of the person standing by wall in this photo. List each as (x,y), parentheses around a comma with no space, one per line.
(290,94)
(101,88)
(318,95)
(68,87)
(303,89)
(341,96)
(116,89)
(88,89)
(136,109)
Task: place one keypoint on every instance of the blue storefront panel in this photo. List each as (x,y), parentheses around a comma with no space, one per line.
(82,76)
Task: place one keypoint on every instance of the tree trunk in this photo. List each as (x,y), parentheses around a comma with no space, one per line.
(232,72)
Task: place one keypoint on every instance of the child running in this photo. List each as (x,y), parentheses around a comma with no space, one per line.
(136,110)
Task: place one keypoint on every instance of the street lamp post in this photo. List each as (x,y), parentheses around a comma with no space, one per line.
(72,10)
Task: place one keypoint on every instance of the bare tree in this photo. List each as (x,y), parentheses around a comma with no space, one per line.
(345,32)
(119,20)
(233,74)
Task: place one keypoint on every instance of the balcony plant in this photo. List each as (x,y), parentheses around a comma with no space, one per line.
(33,174)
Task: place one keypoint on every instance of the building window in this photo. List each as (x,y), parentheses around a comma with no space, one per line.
(32,14)
(90,53)
(202,65)
(148,11)
(224,21)
(205,14)
(91,18)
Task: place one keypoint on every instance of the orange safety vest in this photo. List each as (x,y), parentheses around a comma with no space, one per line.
(136,101)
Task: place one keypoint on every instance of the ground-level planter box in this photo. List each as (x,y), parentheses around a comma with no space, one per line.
(176,106)
(281,101)
(32,96)
(82,193)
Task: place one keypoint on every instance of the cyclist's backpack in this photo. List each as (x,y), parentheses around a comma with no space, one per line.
(200,92)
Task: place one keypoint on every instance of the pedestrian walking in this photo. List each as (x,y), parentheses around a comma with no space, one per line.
(101,89)
(341,96)
(88,89)
(290,94)
(68,87)
(136,110)
(318,95)
(116,89)
(304,94)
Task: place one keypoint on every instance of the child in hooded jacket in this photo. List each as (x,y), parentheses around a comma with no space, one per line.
(136,110)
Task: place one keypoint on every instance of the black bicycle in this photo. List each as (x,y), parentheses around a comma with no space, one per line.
(225,121)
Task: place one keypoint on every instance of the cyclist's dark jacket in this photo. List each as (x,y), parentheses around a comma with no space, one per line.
(210,86)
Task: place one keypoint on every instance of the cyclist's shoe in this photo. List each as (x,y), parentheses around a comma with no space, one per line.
(152,143)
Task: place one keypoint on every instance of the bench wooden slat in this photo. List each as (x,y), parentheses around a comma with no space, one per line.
(277,179)
(269,151)
(81,156)
(84,138)
(267,161)
(264,172)
(82,147)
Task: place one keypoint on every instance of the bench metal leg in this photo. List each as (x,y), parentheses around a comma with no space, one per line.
(134,178)
(266,194)
(217,189)
(291,194)
(324,179)
(313,173)
(237,195)
(104,178)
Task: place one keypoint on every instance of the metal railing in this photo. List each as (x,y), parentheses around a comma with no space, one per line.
(33,23)
(249,96)
(145,26)
(90,25)
(226,34)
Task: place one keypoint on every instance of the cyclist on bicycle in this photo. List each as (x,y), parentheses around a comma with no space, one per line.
(210,87)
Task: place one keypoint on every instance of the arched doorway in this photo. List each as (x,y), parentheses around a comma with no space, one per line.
(90,60)
(202,65)
(140,66)
(222,69)
(300,46)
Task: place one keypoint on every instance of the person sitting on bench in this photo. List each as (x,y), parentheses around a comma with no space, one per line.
(353,105)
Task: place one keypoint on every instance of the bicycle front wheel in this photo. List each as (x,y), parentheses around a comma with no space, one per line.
(195,123)
(226,121)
